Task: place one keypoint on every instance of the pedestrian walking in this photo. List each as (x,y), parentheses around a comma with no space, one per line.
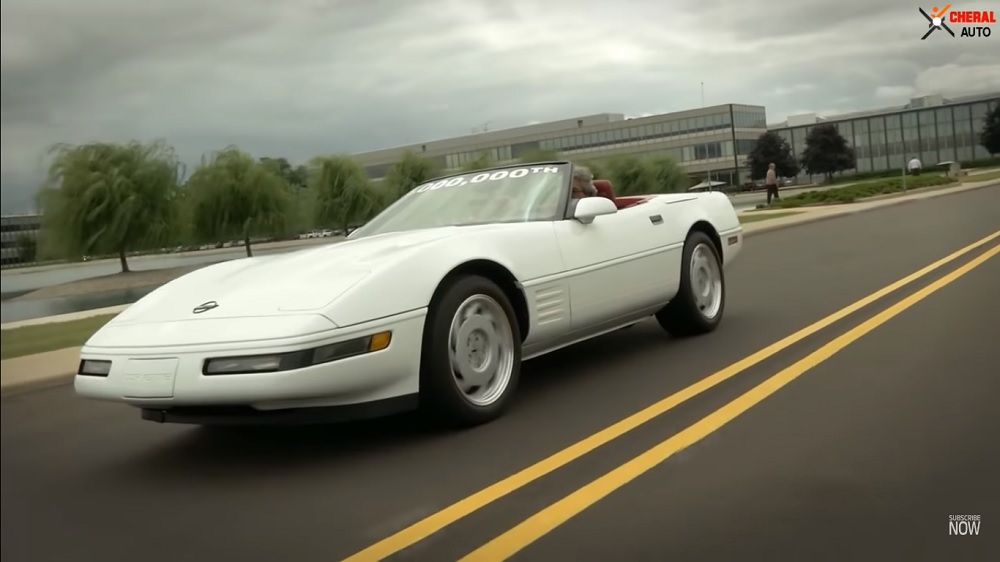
(771,183)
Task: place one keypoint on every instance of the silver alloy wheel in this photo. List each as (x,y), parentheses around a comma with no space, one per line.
(706,281)
(481,350)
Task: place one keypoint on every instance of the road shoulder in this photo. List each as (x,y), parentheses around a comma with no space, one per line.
(42,370)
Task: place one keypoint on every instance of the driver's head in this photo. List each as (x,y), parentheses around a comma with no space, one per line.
(583,183)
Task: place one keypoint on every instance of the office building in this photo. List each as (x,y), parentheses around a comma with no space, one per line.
(933,128)
(18,233)
(716,140)
(710,140)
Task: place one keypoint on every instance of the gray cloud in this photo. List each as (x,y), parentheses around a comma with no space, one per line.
(303,77)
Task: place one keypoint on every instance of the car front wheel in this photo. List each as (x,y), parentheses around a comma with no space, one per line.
(471,358)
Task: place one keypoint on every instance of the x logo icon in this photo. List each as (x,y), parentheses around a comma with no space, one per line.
(936,22)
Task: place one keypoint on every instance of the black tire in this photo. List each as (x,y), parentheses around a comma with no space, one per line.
(440,397)
(682,316)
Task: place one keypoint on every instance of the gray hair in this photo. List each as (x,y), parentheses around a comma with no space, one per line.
(586,179)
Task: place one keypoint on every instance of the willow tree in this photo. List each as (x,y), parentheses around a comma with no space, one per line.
(102,198)
(596,168)
(669,177)
(481,162)
(232,195)
(409,172)
(341,190)
(632,175)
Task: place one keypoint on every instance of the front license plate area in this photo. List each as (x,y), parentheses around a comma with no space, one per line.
(150,378)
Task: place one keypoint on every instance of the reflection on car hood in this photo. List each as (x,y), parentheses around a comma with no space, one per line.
(296,282)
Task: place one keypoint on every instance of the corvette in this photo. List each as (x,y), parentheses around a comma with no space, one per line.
(433,304)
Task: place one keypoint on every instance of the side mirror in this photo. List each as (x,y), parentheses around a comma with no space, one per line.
(588,208)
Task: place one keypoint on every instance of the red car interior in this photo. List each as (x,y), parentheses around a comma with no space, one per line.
(606,190)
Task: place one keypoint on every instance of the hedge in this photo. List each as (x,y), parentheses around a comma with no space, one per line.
(852,193)
(858,176)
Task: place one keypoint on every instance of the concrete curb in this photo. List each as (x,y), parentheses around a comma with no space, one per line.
(69,317)
(42,370)
(21,387)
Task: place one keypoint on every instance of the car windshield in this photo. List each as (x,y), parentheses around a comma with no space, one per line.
(504,195)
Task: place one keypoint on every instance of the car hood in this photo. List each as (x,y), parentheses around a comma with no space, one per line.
(293,283)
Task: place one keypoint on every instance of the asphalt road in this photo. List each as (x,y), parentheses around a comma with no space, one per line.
(863,457)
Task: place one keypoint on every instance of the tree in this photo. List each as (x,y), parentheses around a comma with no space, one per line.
(596,168)
(104,198)
(481,162)
(234,196)
(668,175)
(409,172)
(990,137)
(342,191)
(533,156)
(631,175)
(771,148)
(826,152)
(295,176)
(27,248)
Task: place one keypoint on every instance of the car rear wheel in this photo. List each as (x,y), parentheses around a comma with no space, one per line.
(471,358)
(701,297)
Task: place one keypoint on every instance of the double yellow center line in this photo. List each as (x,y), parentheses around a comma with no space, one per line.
(551,517)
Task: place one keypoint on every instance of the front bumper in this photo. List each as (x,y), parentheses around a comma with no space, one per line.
(168,383)
(245,415)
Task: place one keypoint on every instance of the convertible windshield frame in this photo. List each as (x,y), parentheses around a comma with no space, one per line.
(375,226)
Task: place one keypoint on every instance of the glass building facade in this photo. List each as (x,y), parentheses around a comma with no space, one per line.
(712,140)
(882,141)
(15,232)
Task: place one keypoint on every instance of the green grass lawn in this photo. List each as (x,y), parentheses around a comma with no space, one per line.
(862,190)
(30,340)
(757,217)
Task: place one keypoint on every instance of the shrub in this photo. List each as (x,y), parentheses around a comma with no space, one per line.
(852,193)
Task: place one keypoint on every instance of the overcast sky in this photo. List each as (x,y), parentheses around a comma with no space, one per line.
(297,78)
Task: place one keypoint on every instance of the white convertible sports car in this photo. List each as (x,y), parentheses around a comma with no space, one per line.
(434,303)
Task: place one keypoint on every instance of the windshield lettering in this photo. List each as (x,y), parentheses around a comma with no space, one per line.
(486,176)
(493,196)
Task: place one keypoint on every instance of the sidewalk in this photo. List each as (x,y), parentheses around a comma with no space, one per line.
(69,317)
(56,367)
(38,371)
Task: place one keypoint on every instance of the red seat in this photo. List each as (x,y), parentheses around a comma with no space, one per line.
(604,189)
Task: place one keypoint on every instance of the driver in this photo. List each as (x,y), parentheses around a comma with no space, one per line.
(583,183)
